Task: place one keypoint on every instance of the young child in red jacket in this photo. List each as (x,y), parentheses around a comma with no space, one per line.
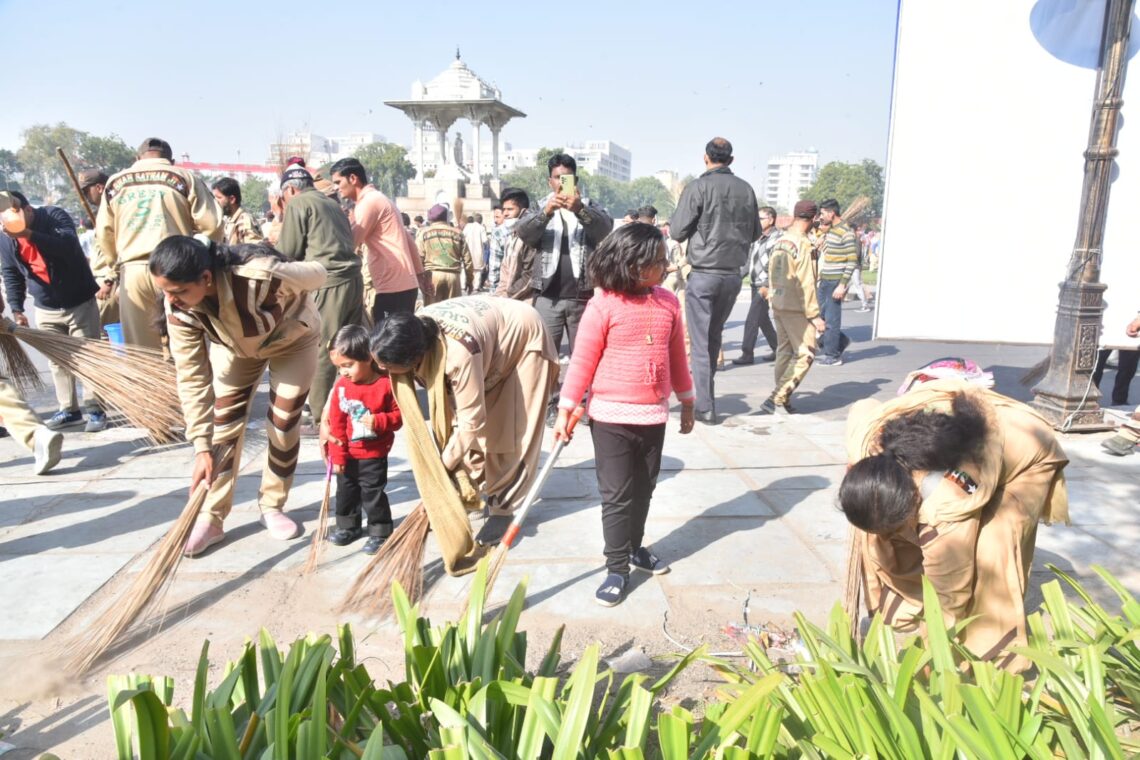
(630,353)
(362,415)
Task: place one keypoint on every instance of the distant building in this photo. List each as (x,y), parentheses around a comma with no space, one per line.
(672,182)
(240,172)
(603,158)
(316,149)
(788,175)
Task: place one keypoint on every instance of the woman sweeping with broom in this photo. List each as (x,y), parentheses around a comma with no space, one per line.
(231,312)
(949,482)
(497,360)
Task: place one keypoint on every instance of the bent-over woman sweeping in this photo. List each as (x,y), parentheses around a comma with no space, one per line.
(949,482)
(497,360)
(231,312)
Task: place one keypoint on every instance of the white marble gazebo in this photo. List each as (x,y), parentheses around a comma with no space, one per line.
(457,93)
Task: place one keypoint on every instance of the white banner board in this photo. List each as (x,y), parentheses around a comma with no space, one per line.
(989,122)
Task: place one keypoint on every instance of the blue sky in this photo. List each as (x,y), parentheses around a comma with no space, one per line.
(216,78)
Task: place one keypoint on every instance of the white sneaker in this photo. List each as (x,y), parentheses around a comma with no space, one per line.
(47,445)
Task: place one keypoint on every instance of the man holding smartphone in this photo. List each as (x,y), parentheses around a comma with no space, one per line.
(565,231)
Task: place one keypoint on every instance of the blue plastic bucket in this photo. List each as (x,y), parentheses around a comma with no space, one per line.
(114,333)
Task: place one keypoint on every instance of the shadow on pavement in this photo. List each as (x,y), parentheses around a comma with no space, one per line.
(837,395)
(51,731)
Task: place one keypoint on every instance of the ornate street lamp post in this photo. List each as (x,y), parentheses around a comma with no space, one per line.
(1067,396)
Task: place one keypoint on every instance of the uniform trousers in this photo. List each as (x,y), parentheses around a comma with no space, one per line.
(339,305)
(17,416)
(140,306)
(795,352)
(235,381)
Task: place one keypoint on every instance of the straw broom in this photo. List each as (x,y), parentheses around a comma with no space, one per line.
(401,558)
(318,542)
(17,366)
(856,208)
(500,556)
(854,590)
(134,381)
(124,611)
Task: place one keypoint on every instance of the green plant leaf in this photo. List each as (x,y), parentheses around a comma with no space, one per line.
(580,694)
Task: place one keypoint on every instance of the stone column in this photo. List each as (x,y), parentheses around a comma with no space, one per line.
(420,142)
(476,145)
(442,144)
(495,151)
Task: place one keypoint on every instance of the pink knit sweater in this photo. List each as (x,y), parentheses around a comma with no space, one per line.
(629,352)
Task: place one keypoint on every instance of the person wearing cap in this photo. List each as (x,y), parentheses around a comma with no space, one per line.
(315,229)
(396,270)
(717,214)
(46,260)
(443,249)
(795,306)
(92,182)
(237,223)
(143,205)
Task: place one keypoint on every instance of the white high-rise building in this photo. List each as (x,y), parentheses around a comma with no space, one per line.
(788,175)
(603,158)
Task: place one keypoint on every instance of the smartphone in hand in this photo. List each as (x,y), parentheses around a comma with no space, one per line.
(569,184)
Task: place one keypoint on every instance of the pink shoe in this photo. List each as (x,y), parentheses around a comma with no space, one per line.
(280,525)
(204,535)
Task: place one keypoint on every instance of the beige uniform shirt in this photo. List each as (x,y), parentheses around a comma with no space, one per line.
(147,203)
(791,275)
(240,228)
(263,309)
(486,339)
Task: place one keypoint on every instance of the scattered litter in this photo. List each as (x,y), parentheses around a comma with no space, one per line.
(633,660)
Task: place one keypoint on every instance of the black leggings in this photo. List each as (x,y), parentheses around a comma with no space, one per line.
(627,459)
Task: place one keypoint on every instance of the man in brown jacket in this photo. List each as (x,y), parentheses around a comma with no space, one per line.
(792,293)
(444,251)
(142,206)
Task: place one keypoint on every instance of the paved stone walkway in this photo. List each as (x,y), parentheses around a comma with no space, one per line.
(743,509)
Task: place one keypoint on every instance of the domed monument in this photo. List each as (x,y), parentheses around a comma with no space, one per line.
(456,93)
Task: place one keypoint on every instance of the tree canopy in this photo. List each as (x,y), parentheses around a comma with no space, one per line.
(388,167)
(255,195)
(41,173)
(846,182)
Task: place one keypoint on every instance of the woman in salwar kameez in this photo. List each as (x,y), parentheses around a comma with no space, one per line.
(500,366)
(949,482)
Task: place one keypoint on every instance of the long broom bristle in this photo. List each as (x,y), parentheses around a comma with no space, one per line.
(316,547)
(856,208)
(123,611)
(135,381)
(852,593)
(401,558)
(18,366)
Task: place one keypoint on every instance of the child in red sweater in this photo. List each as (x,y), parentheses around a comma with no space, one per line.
(629,353)
(362,414)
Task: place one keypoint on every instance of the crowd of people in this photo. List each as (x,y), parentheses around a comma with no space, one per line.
(339,295)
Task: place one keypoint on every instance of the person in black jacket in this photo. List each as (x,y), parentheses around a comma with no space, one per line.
(46,261)
(718,215)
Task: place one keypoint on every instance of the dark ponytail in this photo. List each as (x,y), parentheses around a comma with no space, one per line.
(402,339)
(878,493)
(180,258)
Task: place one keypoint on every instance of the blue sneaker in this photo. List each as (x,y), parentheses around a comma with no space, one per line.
(96,422)
(612,590)
(645,560)
(63,419)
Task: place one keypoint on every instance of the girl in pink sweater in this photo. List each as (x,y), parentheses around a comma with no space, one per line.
(629,353)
